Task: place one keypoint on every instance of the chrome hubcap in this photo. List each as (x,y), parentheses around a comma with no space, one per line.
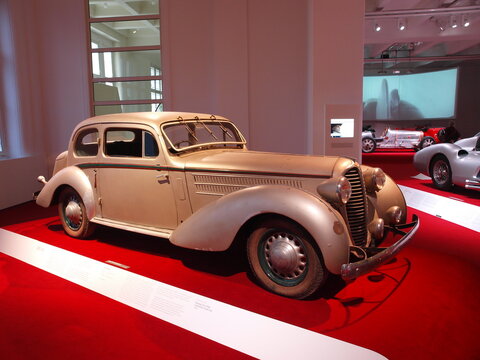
(73,214)
(367,144)
(427,142)
(285,255)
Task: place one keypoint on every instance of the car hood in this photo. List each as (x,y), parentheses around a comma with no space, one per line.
(263,163)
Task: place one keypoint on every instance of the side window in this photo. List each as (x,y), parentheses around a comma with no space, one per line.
(127,142)
(86,143)
(150,145)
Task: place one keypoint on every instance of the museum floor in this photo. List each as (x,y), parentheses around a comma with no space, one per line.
(423,305)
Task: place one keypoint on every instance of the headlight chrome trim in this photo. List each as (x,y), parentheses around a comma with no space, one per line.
(379,179)
(393,215)
(375,179)
(344,190)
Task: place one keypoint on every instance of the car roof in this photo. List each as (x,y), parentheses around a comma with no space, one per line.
(149,118)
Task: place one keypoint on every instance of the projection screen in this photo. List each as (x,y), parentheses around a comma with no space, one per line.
(430,95)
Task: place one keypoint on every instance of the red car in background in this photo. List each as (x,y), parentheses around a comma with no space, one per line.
(431,136)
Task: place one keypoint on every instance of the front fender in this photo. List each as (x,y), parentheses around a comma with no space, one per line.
(423,158)
(215,226)
(390,195)
(74,177)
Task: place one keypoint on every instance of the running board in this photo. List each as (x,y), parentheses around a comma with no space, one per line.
(146,230)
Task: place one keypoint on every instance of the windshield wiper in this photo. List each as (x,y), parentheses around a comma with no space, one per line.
(207,128)
(188,128)
(225,130)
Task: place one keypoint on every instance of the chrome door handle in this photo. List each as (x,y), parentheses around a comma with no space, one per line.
(163,178)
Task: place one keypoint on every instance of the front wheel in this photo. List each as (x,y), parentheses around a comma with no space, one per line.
(441,173)
(73,214)
(284,259)
(368,145)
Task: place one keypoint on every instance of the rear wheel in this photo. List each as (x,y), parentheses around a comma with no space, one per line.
(426,142)
(368,145)
(284,259)
(73,214)
(441,173)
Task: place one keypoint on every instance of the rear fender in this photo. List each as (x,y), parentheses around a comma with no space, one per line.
(215,226)
(70,176)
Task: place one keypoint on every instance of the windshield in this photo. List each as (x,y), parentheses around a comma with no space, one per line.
(196,133)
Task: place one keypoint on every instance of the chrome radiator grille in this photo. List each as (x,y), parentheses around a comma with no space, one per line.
(356,209)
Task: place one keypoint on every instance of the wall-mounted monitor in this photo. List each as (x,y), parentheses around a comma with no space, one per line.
(341,128)
(430,95)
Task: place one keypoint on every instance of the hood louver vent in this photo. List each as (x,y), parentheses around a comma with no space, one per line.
(221,185)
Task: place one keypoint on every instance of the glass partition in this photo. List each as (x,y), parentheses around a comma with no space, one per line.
(125,52)
(123,64)
(119,8)
(127,90)
(113,109)
(125,33)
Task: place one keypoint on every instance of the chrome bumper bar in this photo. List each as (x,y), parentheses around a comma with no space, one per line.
(472,184)
(353,270)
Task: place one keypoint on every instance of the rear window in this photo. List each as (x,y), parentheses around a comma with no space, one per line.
(86,143)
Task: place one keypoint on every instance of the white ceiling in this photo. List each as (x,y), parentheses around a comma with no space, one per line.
(429,40)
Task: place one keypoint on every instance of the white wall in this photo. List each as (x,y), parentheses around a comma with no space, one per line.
(272,66)
(336,73)
(50,89)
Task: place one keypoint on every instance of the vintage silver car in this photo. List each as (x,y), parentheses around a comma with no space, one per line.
(191,179)
(451,164)
(392,139)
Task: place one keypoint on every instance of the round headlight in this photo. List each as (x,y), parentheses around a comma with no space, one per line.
(394,215)
(379,178)
(376,228)
(344,189)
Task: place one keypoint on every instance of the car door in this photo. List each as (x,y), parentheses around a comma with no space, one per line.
(133,180)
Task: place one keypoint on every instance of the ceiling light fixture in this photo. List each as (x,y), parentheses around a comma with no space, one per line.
(377,27)
(453,21)
(402,24)
(465,21)
(439,22)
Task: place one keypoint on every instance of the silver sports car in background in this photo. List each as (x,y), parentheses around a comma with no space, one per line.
(391,139)
(451,164)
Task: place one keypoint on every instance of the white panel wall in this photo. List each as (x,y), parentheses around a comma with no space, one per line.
(51,94)
(205,46)
(242,59)
(336,73)
(272,66)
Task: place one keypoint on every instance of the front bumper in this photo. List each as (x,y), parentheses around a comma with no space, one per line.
(353,270)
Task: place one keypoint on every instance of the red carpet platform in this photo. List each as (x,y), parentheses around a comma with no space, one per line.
(424,305)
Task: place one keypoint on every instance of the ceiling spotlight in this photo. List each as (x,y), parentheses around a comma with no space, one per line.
(439,22)
(465,21)
(377,27)
(453,21)
(402,24)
